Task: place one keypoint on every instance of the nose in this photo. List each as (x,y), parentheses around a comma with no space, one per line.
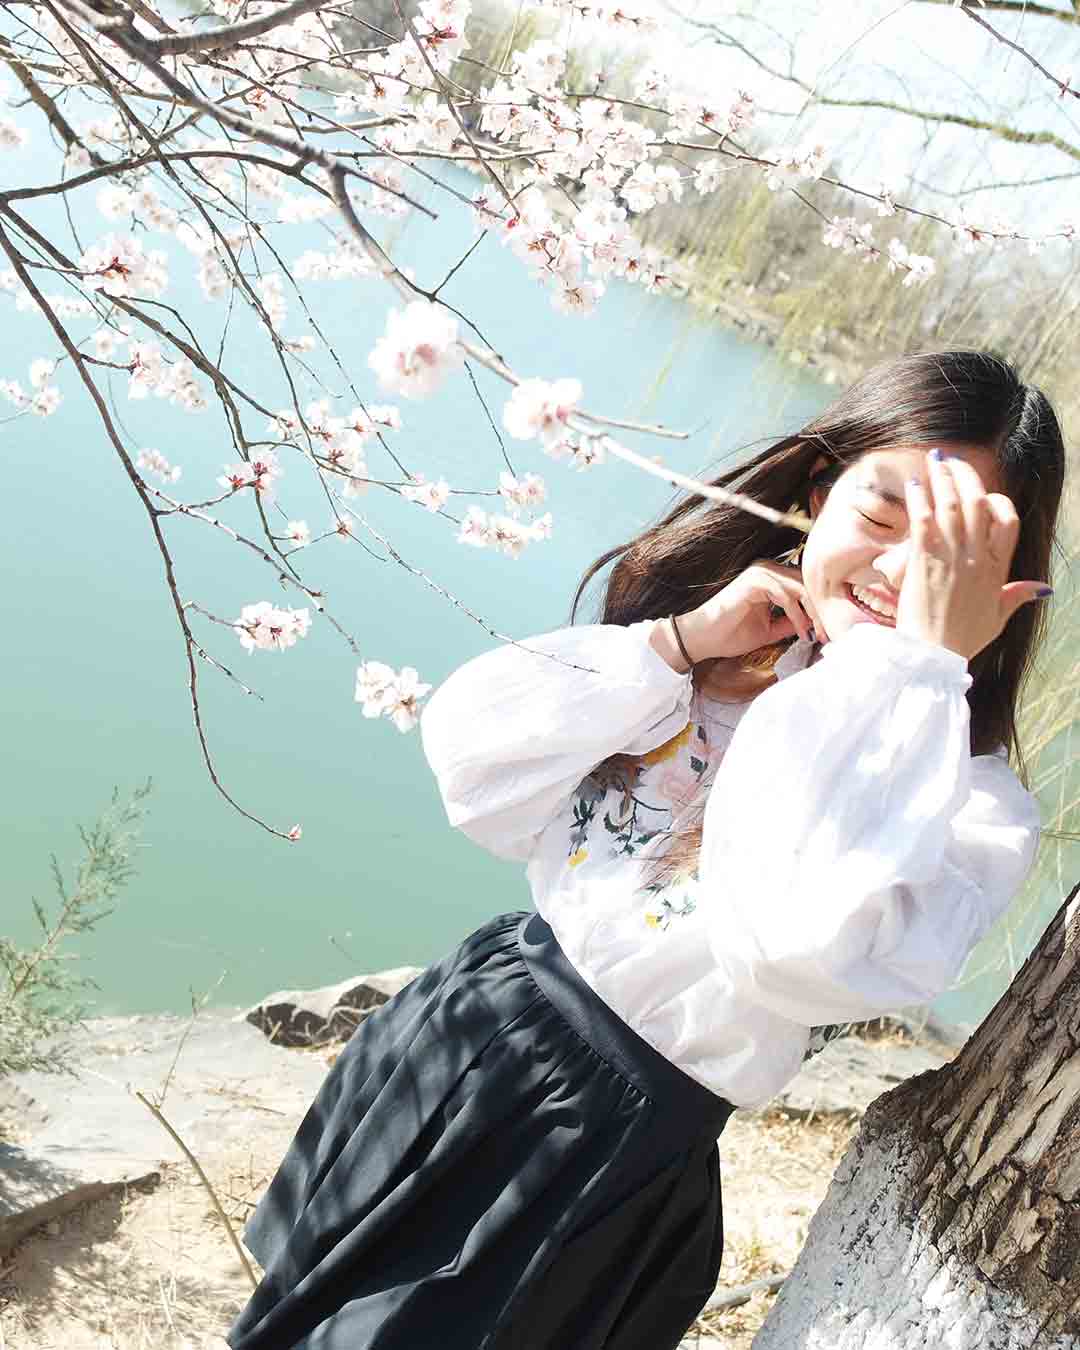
(892,564)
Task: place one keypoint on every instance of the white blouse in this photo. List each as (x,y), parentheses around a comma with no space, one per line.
(853,850)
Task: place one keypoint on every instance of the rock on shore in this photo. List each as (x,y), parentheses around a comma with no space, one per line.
(306,1017)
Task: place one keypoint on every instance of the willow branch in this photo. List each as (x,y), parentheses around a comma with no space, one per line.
(1021,7)
(1063,86)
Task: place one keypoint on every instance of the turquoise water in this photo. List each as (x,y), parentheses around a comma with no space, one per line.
(94,675)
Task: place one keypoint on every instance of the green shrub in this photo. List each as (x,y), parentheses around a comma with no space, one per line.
(39,989)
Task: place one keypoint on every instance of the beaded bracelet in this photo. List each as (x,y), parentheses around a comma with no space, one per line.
(682,645)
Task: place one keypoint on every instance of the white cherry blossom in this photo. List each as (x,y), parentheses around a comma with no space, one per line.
(417,351)
(260,472)
(793,165)
(119,265)
(12,136)
(264,627)
(538,408)
(521,495)
(403,697)
(155,462)
(40,371)
(433,496)
(45,401)
(13,391)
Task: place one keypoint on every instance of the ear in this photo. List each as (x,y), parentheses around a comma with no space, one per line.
(818,495)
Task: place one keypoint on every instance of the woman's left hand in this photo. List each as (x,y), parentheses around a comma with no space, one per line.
(956,591)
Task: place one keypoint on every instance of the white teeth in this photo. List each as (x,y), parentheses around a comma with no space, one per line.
(872,602)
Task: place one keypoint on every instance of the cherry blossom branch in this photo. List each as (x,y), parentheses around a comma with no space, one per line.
(124,34)
(252,295)
(213,661)
(231,35)
(490,361)
(190,642)
(441,81)
(294,171)
(55,117)
(396,557)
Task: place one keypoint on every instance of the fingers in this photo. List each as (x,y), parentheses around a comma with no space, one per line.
(948,508)
(1003,531)
(788,601)
(967,504)
(1017,593)
(920,510)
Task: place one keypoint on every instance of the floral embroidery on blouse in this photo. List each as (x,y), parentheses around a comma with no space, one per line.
(669,907)
(670,748)
(634,822)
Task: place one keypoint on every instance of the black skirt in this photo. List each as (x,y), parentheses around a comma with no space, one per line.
(496,1161)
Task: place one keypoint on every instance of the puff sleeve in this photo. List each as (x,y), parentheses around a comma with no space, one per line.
(854,850)
(511,734)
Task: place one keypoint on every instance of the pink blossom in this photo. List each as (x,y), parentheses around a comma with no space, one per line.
(119,265)
(433,496)
(155,462)
(417,351)
(264,627)
(523,495)
(539,408)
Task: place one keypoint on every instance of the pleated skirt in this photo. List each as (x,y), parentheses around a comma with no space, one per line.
(496,1161)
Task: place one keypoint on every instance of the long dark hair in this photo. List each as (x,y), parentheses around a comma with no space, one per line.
(928,399)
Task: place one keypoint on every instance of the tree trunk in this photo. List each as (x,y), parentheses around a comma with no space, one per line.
(953,1221)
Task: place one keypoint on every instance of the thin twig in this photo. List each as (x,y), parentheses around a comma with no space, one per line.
(160,1118)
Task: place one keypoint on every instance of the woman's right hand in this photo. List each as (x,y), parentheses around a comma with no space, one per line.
(766,603)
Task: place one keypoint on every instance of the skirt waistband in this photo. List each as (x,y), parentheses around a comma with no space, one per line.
(611,1037)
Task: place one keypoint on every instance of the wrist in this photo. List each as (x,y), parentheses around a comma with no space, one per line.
(663,641)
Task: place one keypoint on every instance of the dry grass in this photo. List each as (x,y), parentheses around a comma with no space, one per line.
(775,1173)
(154,1271)
(150,1271)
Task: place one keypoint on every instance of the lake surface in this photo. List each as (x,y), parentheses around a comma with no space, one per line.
(94,675)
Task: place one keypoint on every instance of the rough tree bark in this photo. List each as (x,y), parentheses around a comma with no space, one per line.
(953,1221)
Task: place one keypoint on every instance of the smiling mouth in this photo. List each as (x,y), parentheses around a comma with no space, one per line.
(889,620)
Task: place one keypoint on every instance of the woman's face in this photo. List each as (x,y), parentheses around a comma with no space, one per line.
(856,554)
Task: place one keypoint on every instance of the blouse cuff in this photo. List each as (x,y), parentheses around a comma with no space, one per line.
(653,663)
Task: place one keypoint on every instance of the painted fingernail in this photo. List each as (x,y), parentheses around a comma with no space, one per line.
(936,454)
(812,634)
(1044,593)
(914,482)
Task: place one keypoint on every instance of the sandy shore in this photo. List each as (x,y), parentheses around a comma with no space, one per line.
(156,1271)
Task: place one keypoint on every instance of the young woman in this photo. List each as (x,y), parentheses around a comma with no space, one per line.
(763,795)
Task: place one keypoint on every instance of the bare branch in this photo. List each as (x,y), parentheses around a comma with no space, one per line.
(1063,86)
(1021,7)
(190,643)
(232,34)
(56,118)
(141,49)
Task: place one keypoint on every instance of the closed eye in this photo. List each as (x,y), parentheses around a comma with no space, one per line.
(881,524)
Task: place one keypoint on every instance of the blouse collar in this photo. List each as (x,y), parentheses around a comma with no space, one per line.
(797,657)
